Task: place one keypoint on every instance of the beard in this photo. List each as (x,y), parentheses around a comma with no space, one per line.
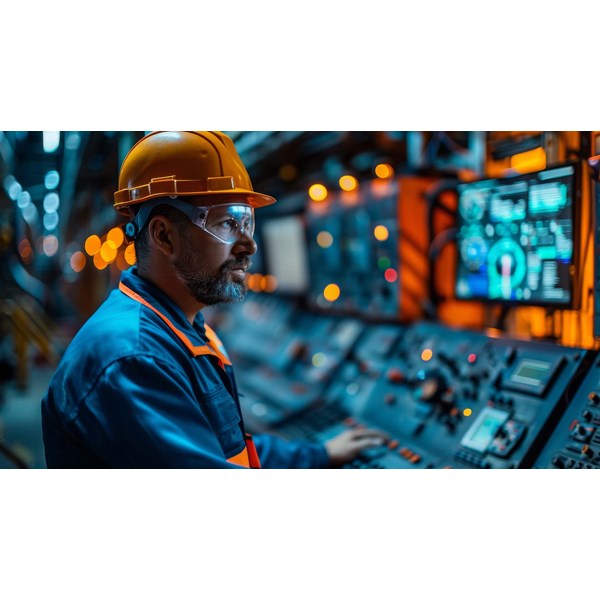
(210,289)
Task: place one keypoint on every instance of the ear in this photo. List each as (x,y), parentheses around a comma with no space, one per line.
(163,234)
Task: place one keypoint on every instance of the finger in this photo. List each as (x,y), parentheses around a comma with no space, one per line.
(361,433)
(370,442)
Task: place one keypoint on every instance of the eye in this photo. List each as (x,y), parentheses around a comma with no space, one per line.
(229,224)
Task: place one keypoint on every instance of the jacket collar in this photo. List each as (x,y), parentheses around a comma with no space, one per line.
(165,305)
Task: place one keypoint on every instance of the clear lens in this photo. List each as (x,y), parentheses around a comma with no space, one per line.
(227,222)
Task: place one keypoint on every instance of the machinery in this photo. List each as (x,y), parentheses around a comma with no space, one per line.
(451,398)
(446,397)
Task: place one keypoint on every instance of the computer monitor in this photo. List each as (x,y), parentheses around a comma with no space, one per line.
(516,238)
(284,244)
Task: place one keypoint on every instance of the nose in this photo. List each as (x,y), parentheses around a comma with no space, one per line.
(245,245)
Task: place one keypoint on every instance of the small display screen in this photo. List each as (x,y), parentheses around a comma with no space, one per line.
(484,429)
(516,238)
(531,372)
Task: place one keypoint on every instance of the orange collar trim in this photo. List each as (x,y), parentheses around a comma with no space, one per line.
(213,341)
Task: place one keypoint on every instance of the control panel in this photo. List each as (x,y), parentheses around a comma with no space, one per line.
(362,261)
(283,359)
(352,242)
(448,398)
(575,443)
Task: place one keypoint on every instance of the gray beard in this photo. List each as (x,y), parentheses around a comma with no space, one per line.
(210,289)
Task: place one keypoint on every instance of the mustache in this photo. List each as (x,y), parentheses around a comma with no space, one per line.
(244,263)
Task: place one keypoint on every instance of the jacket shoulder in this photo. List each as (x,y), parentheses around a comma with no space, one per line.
(120,328)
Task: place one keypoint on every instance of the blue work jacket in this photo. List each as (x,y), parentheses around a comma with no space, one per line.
(128,393)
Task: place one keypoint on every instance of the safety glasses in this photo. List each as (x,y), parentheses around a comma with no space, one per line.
(226,222)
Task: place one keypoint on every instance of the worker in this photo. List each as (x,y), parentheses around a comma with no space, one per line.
(146,383)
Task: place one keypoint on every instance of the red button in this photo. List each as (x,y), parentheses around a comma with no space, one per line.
(395,375)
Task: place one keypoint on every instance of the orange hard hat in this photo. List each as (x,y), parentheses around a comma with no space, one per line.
(184,163)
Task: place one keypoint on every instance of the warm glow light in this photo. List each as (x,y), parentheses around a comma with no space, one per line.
(268,283)
(253,280)
(92,245)
(27,254)
(332,292)
(348,183)
(24,245)
(384,171)
(78,261)
(472,358)
(99,262)
(324,239)
(427,354)
(116,236)
(288,172)
(108,252)
(467,412)
(317,192)
(129,254)
(390,275)
(50,245)
(381,233)
(526,162)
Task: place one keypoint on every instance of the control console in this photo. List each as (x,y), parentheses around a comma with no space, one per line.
(449,398)
(575,443)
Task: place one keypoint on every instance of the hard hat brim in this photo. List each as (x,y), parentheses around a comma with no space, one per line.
(254,199)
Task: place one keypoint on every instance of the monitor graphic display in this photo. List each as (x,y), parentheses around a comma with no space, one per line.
(516,238)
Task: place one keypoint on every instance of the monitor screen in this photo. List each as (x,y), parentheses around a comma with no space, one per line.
(515,238)
(284,244)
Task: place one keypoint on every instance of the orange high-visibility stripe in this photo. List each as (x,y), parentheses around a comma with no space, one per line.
(240,459)
(248,457)
(214,341)
(195,350)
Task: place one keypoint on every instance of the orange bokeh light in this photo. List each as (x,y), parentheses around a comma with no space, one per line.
(384,171)
(116,236)
(332,292)
(92,245)
(348,183)
(130,254)
(78,261)
(317,192)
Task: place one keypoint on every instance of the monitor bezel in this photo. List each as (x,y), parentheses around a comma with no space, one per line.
(573,303)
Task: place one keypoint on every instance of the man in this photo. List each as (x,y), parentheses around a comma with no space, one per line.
(145,382)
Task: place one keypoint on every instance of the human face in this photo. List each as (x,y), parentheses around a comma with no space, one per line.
(213,271)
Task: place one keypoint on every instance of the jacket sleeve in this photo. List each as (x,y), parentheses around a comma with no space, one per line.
(142,413)
(275,453)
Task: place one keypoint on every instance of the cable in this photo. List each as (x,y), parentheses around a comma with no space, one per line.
(433,199)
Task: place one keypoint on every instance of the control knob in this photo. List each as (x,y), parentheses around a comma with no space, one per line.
(395,375)
(431,387)
(594,398)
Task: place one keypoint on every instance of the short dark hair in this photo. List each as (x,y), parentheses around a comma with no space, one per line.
(142,240)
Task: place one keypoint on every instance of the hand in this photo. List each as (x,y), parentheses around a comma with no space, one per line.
(348,445)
